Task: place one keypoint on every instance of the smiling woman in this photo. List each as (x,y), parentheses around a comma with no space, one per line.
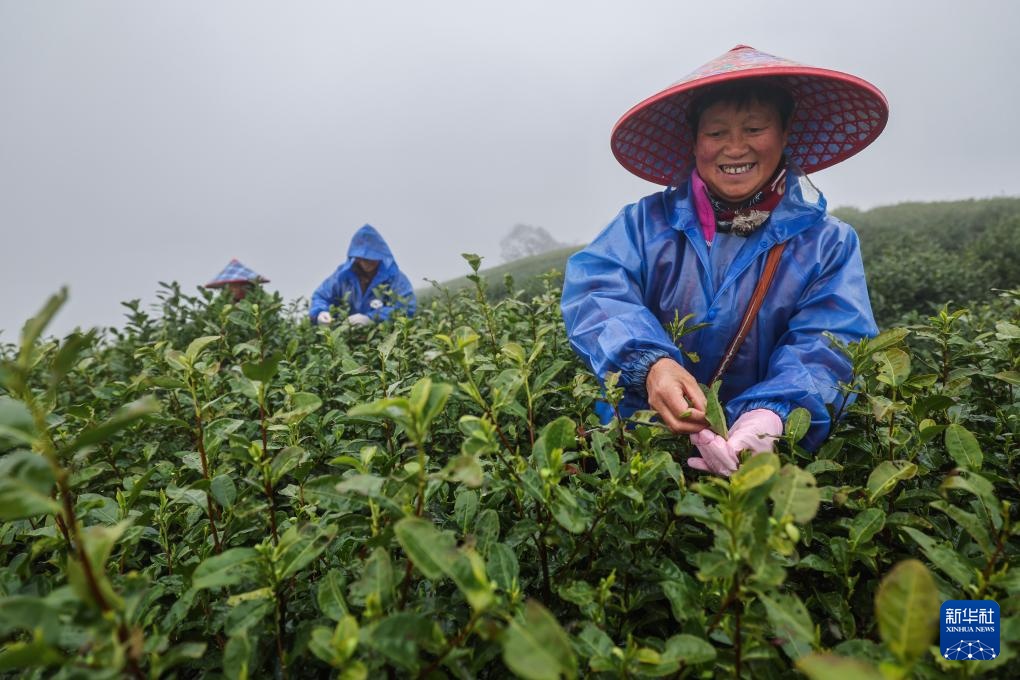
(740,244)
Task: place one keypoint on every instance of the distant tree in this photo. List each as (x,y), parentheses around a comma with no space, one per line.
(525,240)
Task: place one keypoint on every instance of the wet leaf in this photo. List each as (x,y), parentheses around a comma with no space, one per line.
(907,608)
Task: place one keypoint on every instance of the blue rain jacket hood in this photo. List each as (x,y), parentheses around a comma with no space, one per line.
(389,289)
(652,262)
(369,244)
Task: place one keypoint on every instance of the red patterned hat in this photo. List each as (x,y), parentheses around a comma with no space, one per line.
(235,272)
(835,115)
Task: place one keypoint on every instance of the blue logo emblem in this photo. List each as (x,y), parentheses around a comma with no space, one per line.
(969,630)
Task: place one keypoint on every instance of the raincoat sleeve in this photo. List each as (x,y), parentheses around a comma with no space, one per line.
(328,293)
(401,295)
(805,370)
(607,321)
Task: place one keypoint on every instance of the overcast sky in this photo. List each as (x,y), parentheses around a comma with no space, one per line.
(153,141)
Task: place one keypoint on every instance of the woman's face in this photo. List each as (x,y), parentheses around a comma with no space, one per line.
(738,149)
(365,267)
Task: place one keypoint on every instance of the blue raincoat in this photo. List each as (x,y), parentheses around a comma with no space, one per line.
(388,290)
(652,262)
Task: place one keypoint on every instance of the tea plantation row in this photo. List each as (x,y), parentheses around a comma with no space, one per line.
(226,491)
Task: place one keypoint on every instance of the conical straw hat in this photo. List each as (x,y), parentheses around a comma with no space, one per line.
(235,272)
(835,115)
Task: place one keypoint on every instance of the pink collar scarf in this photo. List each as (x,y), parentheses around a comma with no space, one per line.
(714,214)
(703,206)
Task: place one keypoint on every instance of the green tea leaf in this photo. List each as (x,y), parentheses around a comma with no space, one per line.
(223,490)
(427,401)
(970,523)
(237,657)
(262,371)
(486,529)
(963,447)
(198,345)
(123,418)
(179,654)
(797,424)
(285,461)
(465,508)
(907,608)
(98,541)
(893,366)
(377,580)
(537,648)
(503,567)
(795,495)
(1011,377)
(887,339)
(568,512)
(791,622)
(28,613)
(689,649)
(945,558)
(1007,331)
(67,355)
(330,595)
(973,483)
(560,434)
(229,568)
(35,326)
(26,482)
(834,667)
(302,404)
(32,654)
(714,412)
(817,467)
(466,470)
(16,423)
(336,646)
(298,547)
(399,637)
(683,594)
(18,501)
(884,478)
(468,572)
(864,525)
(755,472)
(432,551)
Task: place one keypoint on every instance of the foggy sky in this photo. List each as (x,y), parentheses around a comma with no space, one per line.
(154,141)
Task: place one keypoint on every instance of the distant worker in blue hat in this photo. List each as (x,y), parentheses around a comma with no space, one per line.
(369,284)
(238,279)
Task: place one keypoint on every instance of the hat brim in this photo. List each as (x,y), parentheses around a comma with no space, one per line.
(835,116)
(220,284)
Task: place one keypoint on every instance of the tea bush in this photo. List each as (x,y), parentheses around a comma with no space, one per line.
(226,491)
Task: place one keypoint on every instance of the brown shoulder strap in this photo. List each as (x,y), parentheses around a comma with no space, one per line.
(760,291)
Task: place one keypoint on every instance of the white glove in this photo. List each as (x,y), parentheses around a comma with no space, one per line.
(359,319)
(324,318)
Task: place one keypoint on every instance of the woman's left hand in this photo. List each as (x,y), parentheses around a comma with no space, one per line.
(755,431)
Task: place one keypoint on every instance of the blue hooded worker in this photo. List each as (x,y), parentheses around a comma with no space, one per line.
(740,240)
(369,284)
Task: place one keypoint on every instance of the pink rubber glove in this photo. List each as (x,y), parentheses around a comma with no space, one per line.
(755,431)
(716,455)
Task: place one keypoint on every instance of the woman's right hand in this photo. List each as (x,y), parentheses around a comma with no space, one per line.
(674,394)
